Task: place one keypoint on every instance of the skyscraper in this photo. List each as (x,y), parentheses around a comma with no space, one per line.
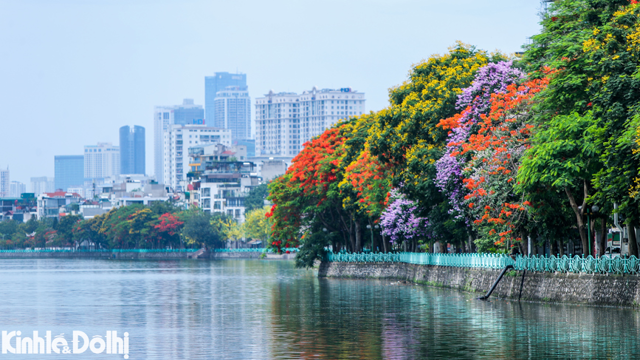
(42,184)
(177,140)
(285,121)
(4,182)
(132,151)
(101,161)
(165,116)
(17,188)
(212,85)
(233,111)
(69,171)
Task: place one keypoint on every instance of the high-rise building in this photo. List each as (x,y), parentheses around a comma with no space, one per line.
(177,140)
(42,184)
(233,111)
(214,84)
(132,150)
(16,189)
(163,117)
(101,161)
(5,182)
(285,121)
(69,171)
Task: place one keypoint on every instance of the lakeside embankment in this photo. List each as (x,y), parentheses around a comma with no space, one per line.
(592,289)
(141,255)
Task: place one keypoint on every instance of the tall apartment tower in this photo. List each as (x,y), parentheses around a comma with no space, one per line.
(5,183)
(233,111)
(177,140)
(163,117)
(285,121)
(43,184)
(69,171)
(214,84)
(101,161)
(132,150)
(17,188)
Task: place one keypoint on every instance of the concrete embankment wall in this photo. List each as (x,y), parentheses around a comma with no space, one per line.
(250,255)
(612,290)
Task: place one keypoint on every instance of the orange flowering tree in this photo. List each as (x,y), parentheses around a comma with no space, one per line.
(495,154)
(307,206)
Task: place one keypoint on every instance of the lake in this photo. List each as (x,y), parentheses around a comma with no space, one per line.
(257,309)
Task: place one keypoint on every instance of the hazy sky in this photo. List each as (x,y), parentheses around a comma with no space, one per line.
(73,71)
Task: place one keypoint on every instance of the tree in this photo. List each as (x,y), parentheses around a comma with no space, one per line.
(256,197)
(199,231)
(257,225)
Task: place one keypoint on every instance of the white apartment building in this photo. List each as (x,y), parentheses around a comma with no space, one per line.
(285,121)
(101,161)
(17,188)
(233,111)
(42,184)
(165,116)
(5,183)
(177,140)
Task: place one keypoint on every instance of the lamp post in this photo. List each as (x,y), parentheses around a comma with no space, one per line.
(371,230)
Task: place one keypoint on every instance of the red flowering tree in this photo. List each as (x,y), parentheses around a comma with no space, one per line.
(495,152)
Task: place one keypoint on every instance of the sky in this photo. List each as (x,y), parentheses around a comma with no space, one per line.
(74,71)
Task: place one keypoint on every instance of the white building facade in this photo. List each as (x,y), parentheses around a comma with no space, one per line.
(17,188)
(233,111)
(101,161)
(165,116)
(177,140)
(5,182)
(285,121)
(42,184)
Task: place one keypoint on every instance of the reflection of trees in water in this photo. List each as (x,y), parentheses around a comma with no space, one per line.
(369,319)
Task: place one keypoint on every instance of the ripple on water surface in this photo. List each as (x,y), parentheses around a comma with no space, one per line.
(251,309)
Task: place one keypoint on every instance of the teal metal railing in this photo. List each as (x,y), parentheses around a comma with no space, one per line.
(562,264)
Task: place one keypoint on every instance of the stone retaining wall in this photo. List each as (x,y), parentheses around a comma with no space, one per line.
(98,255)
(612,290)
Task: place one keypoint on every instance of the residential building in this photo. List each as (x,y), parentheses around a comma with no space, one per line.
(250,144)
(212,85)
(163,117)
(42,184)
(69,171)
(285,121)
(20,208)
(16,188)
(54,204)
(132,150)
(223,187)
(203,157)
(177,140)
(101,161)
(5,183)
(233,111)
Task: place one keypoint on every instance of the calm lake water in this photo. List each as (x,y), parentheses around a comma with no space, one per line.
(251,309)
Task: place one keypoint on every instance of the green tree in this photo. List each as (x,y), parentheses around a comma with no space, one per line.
(256,198)
(257,225)
(198,230)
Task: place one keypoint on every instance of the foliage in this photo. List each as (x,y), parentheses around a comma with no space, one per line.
(256,197)
(257,225)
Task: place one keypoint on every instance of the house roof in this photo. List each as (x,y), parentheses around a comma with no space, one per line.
(61,194)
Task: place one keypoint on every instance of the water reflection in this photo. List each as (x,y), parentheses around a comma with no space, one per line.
(261,310)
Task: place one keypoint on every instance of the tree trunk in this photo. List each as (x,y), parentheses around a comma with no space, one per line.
(560,248)
(579,216)
(352,241)
(471,244)
(358,246)
(633,244)
(384,243)
(553,247)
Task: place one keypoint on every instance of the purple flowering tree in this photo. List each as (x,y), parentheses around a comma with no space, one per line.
(473,102)
(400,221)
